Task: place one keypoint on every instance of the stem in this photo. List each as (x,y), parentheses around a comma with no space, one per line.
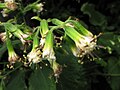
(56,27)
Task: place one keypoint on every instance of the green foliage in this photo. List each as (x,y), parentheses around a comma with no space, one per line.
(41,79)
(96,18)
(16,81)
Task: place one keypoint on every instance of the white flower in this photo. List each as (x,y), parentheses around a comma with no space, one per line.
(3,36)
(34,56)
(18,33)
(13,57)
(57,68)
(42,41)
(85,46)
(48,52)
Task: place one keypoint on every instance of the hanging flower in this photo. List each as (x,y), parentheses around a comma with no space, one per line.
(13,57)
(35,54)
(43,31)
(16,32)
(83,44)
(48,52)
(57,68)
(42,42)
(3,36)
(22,36)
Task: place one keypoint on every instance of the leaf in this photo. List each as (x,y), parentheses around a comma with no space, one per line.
(111,41)
(16,82)
(1,86)
(40,80)
(95,17)
(113,69)
(73,74)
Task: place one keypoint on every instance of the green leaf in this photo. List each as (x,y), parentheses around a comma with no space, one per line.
(111,41)
(1,86)
(95,17)
(16,82)
(113,69)
(41,79)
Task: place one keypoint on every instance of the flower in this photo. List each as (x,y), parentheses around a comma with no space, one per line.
(38,7)
(4,12)
(3,36)
(11,4)
(48,52)
(83,44)
(34,56)
(57,68)
(42,41)
(18,33)
(13,57)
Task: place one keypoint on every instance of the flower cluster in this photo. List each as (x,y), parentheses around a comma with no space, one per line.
(43,38)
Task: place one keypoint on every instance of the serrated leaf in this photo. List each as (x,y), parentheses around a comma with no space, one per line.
(16,82)
(40,80)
